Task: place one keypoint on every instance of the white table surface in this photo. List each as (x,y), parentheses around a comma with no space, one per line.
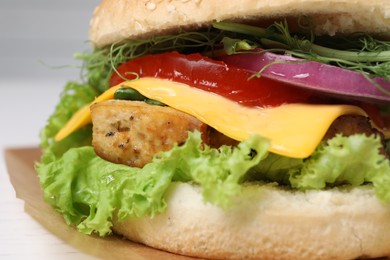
(24,108)
(31,32)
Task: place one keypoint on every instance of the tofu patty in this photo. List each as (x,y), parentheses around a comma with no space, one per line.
(132,132)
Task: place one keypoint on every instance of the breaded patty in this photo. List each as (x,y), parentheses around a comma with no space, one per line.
(131,132)
(351,124)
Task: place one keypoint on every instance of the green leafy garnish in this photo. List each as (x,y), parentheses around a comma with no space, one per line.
(357,52)
(360,52)
(73,97)
(232,46)
(100,64)
(352,160)
(87,189)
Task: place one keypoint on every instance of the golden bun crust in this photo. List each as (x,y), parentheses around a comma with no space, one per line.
(116,20)
(268,223)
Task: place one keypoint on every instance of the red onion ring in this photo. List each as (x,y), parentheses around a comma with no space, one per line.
(328,79)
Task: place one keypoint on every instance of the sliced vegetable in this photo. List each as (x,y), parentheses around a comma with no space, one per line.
(132,94)
(294,130)
(214,76)
(357,52)
(128,94)
(312,75)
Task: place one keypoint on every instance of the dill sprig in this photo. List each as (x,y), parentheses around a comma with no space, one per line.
(359,52)
(100,64)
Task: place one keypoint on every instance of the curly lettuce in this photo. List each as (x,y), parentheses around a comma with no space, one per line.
(353,160)
(73,97)
(87,190)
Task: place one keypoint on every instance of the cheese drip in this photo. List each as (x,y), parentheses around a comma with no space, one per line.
(294,130)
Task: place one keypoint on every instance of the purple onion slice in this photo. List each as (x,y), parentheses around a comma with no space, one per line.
(324,78)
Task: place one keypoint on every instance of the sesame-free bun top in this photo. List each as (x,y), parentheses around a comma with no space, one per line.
(116,20)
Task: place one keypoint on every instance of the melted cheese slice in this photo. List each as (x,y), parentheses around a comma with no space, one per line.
(294,130)
(83,116)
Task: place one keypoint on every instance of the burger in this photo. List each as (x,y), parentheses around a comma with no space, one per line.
(229,129)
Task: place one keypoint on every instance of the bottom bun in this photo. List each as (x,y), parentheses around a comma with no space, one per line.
(268,223)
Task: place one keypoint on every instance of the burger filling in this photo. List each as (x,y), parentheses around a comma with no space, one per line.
(133,132)
(260,105)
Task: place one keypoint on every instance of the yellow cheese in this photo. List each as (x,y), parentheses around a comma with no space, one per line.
(83,116)
(294,130)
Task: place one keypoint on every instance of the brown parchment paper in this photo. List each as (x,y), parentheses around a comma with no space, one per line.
(20,165)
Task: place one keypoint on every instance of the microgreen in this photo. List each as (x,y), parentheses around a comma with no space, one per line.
(100,64)
(358,52)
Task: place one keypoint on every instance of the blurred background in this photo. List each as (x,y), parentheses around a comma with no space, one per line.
(37,41)
(35,37)
(38,34)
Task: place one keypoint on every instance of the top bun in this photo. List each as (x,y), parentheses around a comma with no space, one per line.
(117,20)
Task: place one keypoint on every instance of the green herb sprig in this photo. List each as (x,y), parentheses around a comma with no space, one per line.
(364,54)
(100,64)
(358,52)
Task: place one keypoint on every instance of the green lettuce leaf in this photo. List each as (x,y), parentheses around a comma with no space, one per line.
(87,190)
(74,96)
(352,160)
(274,168)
